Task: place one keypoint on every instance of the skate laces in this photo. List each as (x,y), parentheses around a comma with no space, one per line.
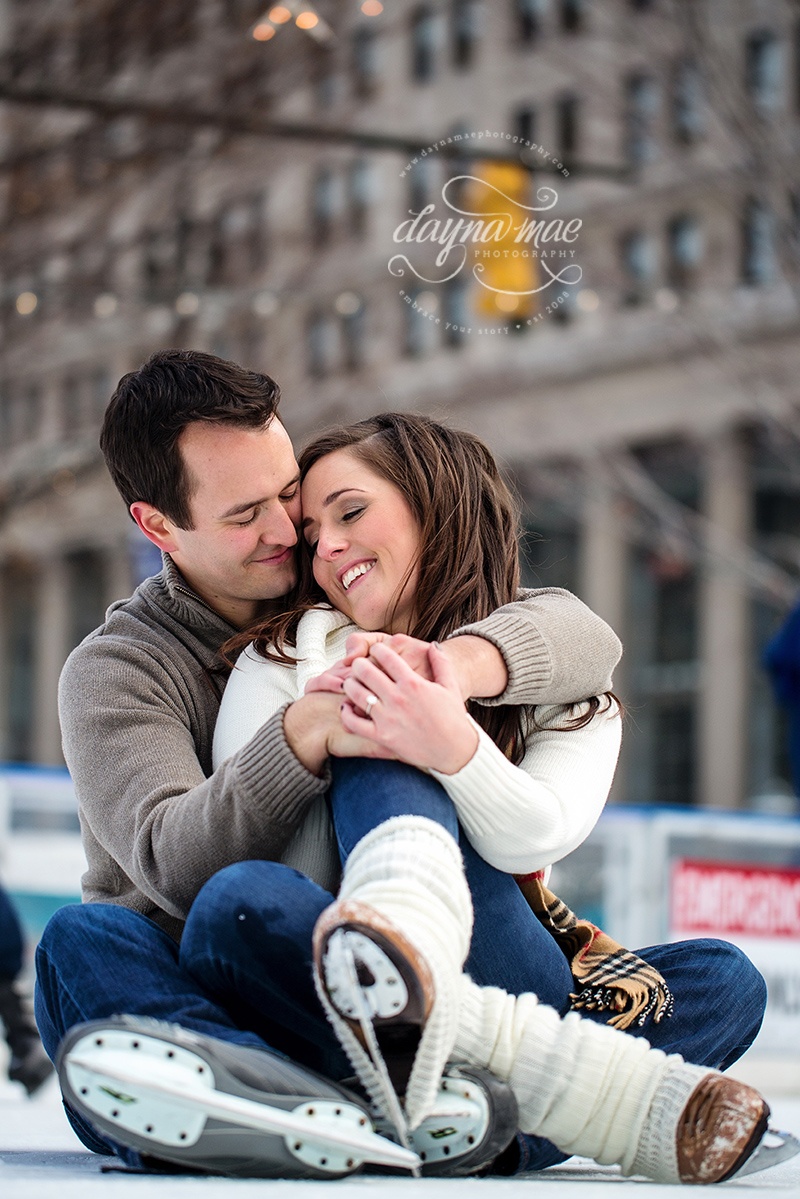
(394,1111)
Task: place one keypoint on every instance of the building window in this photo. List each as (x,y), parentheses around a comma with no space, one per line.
(466,18)
(21,414)
(688,102)
(159,256)
(641,110)
(86,593)
(758,244)
(102,388)
(455,314)
(528,20)
(323,205)
(573,15)
(794,220)
(422,180)
(322,344)
(764,70)
(549,547)
(354,330)
(664,640)
(567,126)
(421,309)
(638,254)
(360,187)
(20,658)
(685,252)
(423,44)
(237,246)
(524,122)
(365,62)
(328,79)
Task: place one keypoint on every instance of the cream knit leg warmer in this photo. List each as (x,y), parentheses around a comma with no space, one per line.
(588,1088)
(409,870)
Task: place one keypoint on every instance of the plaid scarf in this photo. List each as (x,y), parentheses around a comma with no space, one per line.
(608,977)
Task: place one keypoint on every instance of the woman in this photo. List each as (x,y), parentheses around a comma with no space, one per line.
(413,533)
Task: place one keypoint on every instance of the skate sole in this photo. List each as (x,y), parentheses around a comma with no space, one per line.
(395,983)
(167,1095)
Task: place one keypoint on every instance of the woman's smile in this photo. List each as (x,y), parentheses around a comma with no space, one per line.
(365,542)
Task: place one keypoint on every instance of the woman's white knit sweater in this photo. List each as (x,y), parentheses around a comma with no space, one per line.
(518,818)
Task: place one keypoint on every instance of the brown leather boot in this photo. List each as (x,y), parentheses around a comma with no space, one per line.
(719,1129)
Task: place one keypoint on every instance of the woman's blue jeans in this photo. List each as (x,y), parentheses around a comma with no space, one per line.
(243,969)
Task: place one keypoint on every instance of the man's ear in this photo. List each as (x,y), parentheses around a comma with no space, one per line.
(155,526)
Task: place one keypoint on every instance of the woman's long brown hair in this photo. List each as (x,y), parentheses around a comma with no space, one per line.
(468,559)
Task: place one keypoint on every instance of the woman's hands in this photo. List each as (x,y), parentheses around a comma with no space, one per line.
(416,715)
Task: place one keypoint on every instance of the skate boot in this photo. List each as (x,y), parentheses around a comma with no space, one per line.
(473,1119)
(601,1093)
(29,1064)
(388,957)
(216,1107)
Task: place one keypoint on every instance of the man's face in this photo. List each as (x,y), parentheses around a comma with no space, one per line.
(245,505)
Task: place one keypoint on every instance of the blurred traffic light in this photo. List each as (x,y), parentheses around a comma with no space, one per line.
(505,268)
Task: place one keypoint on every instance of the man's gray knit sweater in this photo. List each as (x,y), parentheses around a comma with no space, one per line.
(138,701)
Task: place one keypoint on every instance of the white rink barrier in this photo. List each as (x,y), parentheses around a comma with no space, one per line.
(649,875)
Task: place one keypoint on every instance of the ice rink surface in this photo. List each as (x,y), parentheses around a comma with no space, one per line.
(40,1158)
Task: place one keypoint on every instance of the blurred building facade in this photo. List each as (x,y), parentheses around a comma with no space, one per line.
(651,421)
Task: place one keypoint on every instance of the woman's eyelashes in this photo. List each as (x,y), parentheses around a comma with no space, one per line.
(346,517)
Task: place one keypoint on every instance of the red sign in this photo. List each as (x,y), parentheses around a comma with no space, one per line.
(720,898)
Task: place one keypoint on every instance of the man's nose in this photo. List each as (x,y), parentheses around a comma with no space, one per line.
(280,528)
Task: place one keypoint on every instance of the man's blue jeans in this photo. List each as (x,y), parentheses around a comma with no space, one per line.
(243,968)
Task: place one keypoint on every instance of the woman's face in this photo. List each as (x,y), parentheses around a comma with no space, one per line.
(364,538)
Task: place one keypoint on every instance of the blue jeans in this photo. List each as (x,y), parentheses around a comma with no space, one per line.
(243,968)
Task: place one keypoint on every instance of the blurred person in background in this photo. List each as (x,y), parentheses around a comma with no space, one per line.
(28,1062)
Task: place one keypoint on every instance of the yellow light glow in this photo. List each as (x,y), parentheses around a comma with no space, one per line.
(372,8)
(279,15)
(26,303)
(263,31)
(507,303)
(307,20)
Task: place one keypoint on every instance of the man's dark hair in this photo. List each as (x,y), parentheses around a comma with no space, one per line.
(153,405)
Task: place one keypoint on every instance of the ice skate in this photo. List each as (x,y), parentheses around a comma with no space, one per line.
(473,1119)
(217,1107)
(388,957)
(603,1094)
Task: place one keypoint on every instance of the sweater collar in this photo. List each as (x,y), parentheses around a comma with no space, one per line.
(186,605)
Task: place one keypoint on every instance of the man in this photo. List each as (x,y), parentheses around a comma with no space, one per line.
(208,473)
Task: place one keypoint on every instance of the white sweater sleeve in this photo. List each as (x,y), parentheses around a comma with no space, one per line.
(524,818)
(255,690)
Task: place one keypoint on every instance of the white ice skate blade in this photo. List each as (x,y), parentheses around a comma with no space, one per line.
(775,1147)
(384,997)
(95,1073)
